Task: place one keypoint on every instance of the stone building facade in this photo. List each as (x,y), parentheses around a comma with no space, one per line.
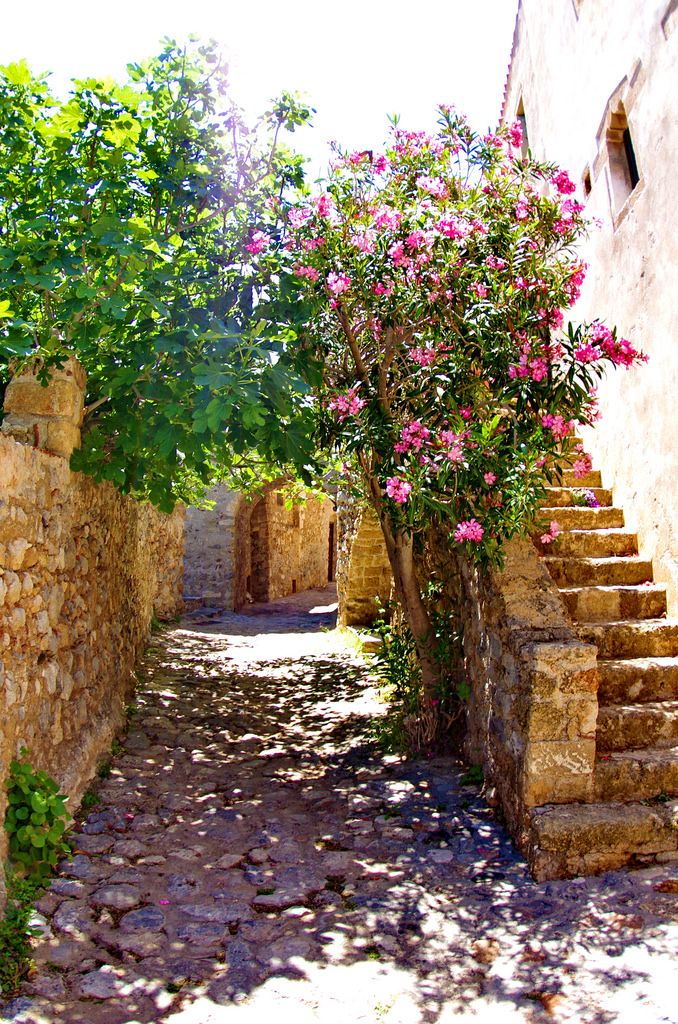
(82,571)
(257,549)
(595,90)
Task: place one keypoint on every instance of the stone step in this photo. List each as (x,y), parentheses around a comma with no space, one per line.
(598,571)
(563,497)
(591,544)
(641,774)
(628,639)
(579,517)
(604,604)
(592,479)
(634,726)
(637,680)
(582,839)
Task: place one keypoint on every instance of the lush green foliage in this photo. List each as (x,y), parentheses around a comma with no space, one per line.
(125,215)
(16,933)
(35,820)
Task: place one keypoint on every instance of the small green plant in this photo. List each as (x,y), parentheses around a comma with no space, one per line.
(104,769)
(16,933)
(89,800)
(473,776)
(372,953)
(266,890)
(35,820)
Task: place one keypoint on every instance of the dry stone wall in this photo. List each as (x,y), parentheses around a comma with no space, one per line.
(82,570)
(364,579)
(534,688)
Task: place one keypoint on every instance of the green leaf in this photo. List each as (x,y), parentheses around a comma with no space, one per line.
(17,73)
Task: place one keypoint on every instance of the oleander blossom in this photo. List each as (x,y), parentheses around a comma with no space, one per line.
(259,241)
(562,182)
(398,490)
(553,531)
(347,405)
(469,529)
(413,436)
(338,283)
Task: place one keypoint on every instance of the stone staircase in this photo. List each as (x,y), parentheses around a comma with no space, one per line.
(613,602)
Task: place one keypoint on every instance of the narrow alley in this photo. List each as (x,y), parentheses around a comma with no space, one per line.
(252,855)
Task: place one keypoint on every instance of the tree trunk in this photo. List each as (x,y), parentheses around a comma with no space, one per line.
(400,550)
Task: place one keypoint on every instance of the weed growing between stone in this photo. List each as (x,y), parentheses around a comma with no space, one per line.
(35,821)
(16,932)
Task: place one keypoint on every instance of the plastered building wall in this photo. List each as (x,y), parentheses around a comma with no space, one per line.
(581,70)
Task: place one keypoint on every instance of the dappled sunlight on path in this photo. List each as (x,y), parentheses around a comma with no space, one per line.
(254,855)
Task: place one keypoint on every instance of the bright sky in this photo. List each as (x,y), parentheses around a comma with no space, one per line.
(356,60)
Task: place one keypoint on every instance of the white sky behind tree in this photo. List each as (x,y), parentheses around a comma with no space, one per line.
(356,61)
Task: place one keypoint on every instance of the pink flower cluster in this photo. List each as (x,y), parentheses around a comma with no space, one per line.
(413,437)
(582,465)
(495,263)
(347,405)
(433,186)
(562,182)
(453,227)
(258,242)
(469,529)
(515,134)
(554,530)
(397,489)
(558,426)
(535,367)
(619,350)
(385,217)
(423,356)
(310,273)
(338,283)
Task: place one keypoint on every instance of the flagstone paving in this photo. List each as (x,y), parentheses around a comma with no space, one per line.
(254,857)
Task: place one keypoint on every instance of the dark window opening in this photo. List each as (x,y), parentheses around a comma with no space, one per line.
(294,586)
(631,158)
(623,163)
(522,121)
(586,183)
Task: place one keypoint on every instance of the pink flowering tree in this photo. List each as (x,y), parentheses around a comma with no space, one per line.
(435,275)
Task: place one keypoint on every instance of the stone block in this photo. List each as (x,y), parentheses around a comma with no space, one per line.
(557,772)
(60,399)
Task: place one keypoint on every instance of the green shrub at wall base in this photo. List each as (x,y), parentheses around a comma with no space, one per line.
(35,820)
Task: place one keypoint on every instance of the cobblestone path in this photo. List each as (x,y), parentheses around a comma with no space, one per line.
(254,858)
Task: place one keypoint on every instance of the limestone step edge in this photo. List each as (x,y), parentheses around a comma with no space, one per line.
(615,602)
(565,840)
(611,571)
(621,727)
(563,497)
(631,638)
(638,679)
(640,774)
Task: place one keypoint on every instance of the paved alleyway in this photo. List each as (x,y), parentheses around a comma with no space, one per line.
(254,858)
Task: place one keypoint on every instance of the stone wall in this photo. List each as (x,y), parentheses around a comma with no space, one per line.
(214,550)
(533,707)
(257,549)
(364,579)
(581,71)
(82,569)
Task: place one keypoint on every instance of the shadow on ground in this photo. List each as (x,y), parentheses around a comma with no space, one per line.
(254,853)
